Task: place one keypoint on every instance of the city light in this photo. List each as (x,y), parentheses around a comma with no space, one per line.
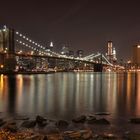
(1,66)
(30,45)
(32,52)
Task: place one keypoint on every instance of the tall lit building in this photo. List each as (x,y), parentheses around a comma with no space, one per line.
(71,53)
(111,52)
(80,53)
(51,46)
(65,50)
(109,47)
(136,55)
(114,54)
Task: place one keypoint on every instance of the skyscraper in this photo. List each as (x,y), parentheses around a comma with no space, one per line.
(80,53)
(136,55)
(114,54)
(111,52)
(65,50)
(109,46)
(51,46)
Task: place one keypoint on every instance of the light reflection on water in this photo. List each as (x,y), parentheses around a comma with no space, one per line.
(65,95)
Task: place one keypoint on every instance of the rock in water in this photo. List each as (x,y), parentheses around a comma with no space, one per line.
(106,137)
(91,119)
(62,123)
(102,113)
(40,119)
(11,128)
(80,119)
(36,137)
(2,122)
(99,121)
(55,137)
(28,124)
(132,136)
(23,118)
(78,135)
(135,120)
(86,134)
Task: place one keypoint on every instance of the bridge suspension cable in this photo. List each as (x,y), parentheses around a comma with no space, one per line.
(33,45)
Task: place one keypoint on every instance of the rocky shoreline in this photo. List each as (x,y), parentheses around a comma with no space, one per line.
(79,128)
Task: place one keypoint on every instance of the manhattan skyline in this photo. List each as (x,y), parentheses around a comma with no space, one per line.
(80,24)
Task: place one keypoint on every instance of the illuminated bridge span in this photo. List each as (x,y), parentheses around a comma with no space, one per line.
(18,52)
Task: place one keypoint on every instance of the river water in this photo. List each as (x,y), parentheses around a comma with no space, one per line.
(66,95)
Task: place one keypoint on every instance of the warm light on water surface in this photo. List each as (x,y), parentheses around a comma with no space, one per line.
(65,95)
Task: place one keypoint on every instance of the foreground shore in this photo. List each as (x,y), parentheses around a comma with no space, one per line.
(84,127)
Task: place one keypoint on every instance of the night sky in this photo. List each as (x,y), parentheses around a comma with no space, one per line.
(79,24)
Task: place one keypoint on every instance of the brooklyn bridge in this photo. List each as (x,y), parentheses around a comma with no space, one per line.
(19,53)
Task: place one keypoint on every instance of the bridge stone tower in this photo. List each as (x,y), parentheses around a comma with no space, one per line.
(98,67)
(11,41)
(9,58)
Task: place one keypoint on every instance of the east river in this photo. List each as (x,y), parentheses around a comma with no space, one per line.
(66,95)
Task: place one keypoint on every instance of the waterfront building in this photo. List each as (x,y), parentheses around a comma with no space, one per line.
(136,55)
(65,51)
(80,53)
(114,54)
(51,45)
(111,52)
(71,53)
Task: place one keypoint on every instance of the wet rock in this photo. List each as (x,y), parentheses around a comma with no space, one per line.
(91,119)
(52,129)
(43,124)
(23,118)
(45,138)
(80,119)
(54,137)
(12,123)
(102,113)
(132,136)
(135,120)
(50,120)
(2,122)
(72,135)
(62,123)
(99,121)
(86,134)
(11,127)
(28,124)
(105,137)
(40,119)
(35,137)
(78,135)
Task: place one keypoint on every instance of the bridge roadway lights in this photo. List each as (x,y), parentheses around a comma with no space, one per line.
(98,67)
